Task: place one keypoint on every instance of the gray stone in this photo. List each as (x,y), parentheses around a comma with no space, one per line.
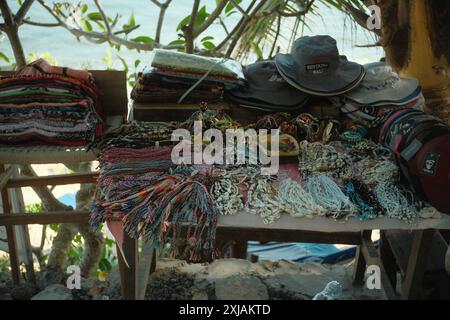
(23,292)
(54,292)
(240,288)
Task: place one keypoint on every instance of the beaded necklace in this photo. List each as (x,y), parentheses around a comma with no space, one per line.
(262,199)
(328,194)
(297,202)
(364,211)
(227,196)
(317,158)
(394,202)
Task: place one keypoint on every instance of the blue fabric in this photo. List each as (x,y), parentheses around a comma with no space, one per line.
(301,252)
(68,199)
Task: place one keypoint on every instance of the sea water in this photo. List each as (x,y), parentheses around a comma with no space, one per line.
(69,51)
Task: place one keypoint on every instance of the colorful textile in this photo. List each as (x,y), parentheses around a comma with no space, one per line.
(48,104)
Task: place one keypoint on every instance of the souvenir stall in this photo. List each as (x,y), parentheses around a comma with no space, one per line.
(340,176)
(354,153)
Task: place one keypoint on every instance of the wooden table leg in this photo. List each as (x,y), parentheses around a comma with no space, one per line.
(413,282)
(360,265)
(147,262)
(11,235)
(239,249)
(128,274)
(388,259)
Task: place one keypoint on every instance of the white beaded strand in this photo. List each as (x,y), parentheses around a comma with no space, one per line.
(394,202)
(227,196)
(328,194)
(297,202)
(262,199)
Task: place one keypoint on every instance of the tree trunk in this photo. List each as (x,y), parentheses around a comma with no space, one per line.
(415,36)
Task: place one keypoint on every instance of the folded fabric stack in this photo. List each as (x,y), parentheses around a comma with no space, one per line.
(47,104)
(382,91)
(179,77)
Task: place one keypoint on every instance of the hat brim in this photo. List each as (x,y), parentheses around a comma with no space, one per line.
(257,104)
(342,80)
(402,90)
(287,96)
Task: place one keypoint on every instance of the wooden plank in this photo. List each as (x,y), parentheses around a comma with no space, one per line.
(44,218)
(412,285)
(282,235)
(62,179)
(5,176)
(372,257)
(10,234)
(388,258)
(178,106)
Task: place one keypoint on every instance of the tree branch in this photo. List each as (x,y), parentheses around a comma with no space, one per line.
(162,12)
(360,17)
(188,30)
(11,29)
(24,8)
(40,24)
(213,16)
(299,13)
(102,13)
(101,37)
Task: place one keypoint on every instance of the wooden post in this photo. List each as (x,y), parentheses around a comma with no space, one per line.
(239,249)
(11,235)
(147,265)
(413,283)
(128,274)
(360,265)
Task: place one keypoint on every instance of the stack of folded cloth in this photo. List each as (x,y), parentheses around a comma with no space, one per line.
(266,90)
(380,92)
(187,78)
(47,104)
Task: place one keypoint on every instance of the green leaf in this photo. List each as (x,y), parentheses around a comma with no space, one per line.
(95,16)
(124,63)
(257,50)
(201,16)
(105,265)
(131,21)
(136,63)
(54,227)
(183,22)
(143,39)
(87,26)
(176,42)
(207,38)
(230,6)
(84,8)
(209,45)
(100,25)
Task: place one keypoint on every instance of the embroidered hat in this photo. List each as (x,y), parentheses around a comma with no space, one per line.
(266,89)
(314,66)
(382,85)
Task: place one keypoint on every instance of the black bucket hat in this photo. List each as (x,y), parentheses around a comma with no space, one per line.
(314,66)
(265,87)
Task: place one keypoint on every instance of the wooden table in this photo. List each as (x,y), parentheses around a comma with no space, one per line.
(245,227)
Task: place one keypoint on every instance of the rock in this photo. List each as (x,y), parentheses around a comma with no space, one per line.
(240,288)
(54,292)
(23,292)
(113,289)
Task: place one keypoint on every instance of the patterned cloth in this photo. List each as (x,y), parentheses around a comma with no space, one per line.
(48,104)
